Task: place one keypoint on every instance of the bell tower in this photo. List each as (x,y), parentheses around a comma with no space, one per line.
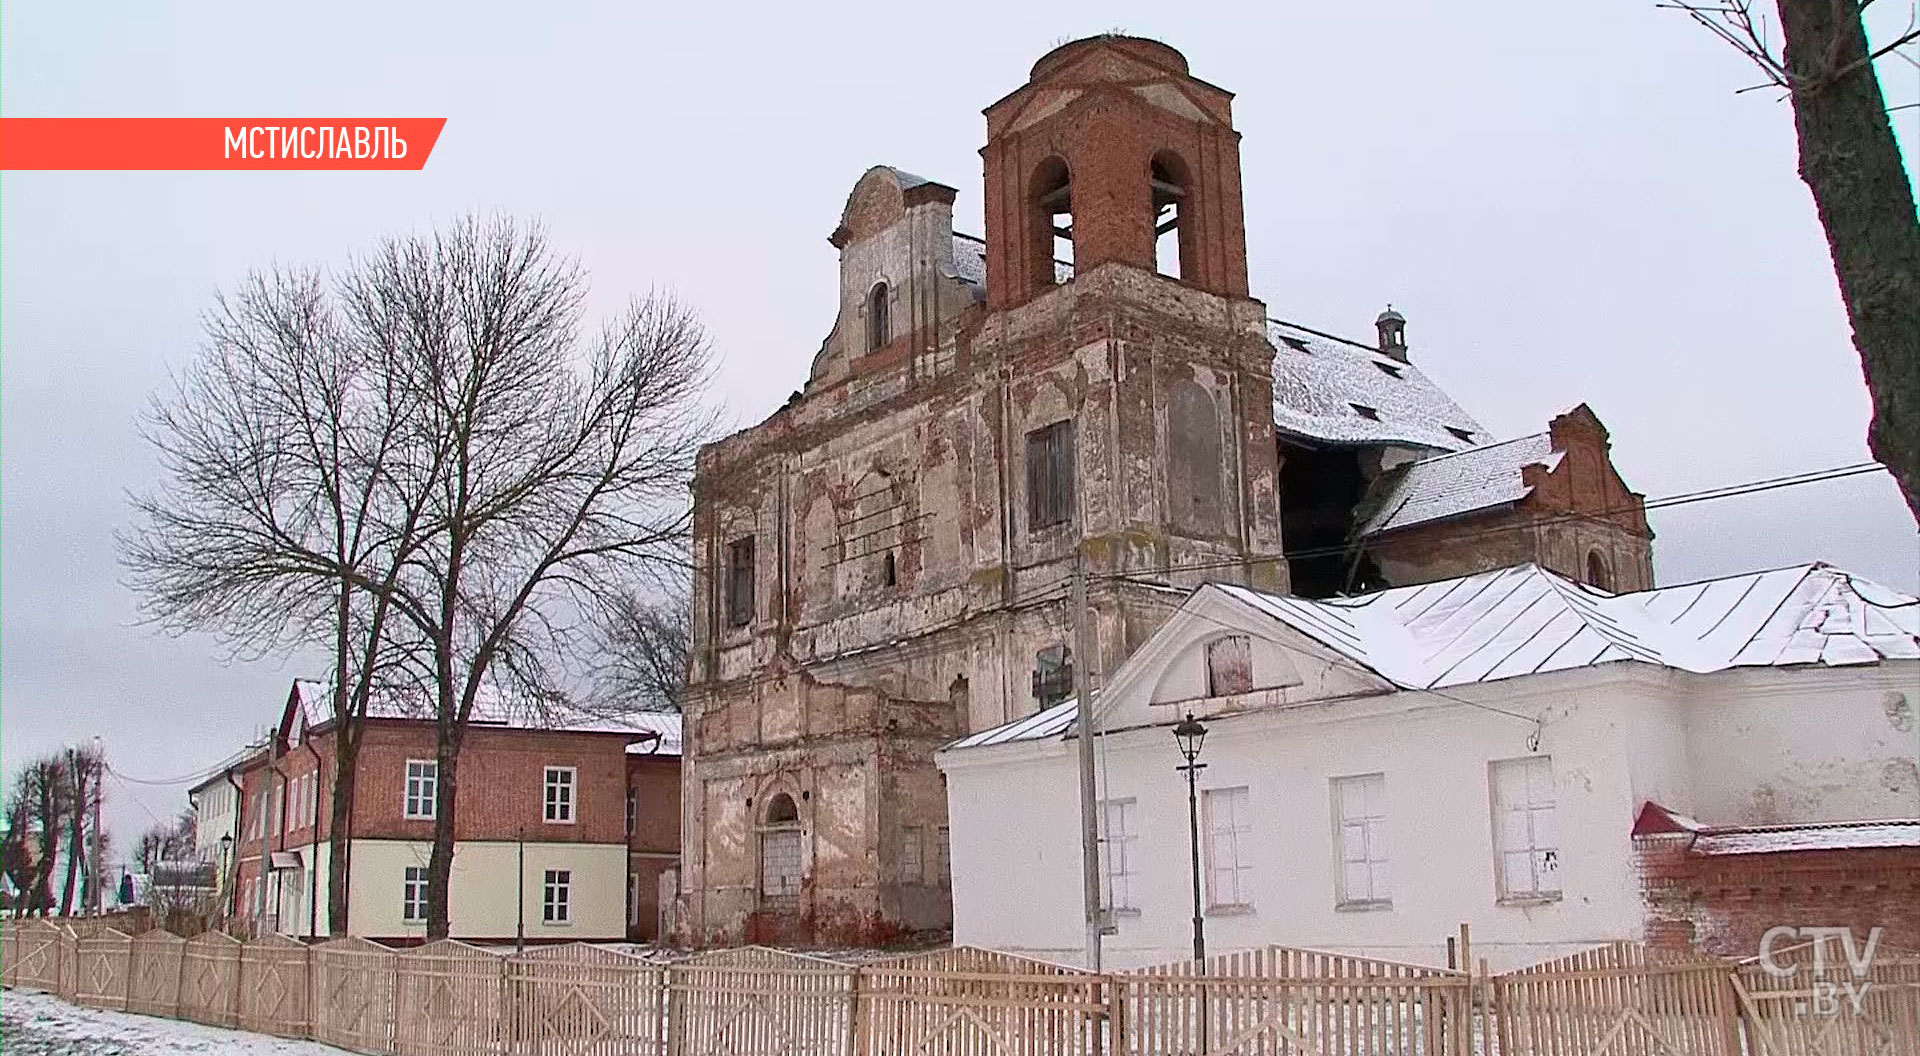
(1110,145)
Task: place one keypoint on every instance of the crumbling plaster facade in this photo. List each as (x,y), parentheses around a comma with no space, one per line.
(901,586)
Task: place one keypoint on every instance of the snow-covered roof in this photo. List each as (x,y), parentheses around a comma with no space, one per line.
(1526,620)
(316,706)
(1458,482)
(1332,390)
(1656,820)
(666,724)
(1841,836)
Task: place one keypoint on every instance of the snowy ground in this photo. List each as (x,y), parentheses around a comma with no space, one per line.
(44,1025)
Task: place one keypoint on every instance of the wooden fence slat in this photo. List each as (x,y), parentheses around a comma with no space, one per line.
(354,985)
(153,974)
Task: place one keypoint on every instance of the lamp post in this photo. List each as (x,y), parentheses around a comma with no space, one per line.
(1190,735)
(226,878)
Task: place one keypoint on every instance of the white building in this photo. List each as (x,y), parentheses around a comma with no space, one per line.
(1381,769)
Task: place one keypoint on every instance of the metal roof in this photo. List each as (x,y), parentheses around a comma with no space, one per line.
(1526,620)
(316,705)
(1337,391)
(1459,482)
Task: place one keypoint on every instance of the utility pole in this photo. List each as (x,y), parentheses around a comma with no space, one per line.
(1089,824)
(93,852)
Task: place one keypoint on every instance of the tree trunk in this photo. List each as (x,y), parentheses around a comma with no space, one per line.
(346,752)
(1851,163)
(440,864)
(76,828)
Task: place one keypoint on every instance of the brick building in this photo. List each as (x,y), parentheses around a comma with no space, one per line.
(562,830)
(1720,888)
(883,563)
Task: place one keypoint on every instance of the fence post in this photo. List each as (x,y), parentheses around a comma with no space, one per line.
(856,1016)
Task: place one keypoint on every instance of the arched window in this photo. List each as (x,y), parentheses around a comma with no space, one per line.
(780,857)
(1171,187)
(879,328)
(1598,574)
(1195,461)
(1050,222)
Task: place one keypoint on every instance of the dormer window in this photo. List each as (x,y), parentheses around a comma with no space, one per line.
(1364,411)
(879,330)
(1388,369)
(1460,433)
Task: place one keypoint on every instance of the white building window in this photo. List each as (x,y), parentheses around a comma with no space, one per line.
(1229,847)
(559,794)
(1118,830)
(423,785)
(1526,835)
(1360,836)
(556,898)
(413,895)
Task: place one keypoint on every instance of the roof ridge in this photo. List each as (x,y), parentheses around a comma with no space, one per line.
(1476,449)
(1331,337)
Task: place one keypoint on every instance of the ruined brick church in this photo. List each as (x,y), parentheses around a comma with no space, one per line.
(883,563)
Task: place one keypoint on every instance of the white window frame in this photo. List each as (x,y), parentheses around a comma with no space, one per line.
(1232,842)
(413,894)
(1360,841)
(1528,829)
(556,898)
(429,792)
(564,807)
(1118,868)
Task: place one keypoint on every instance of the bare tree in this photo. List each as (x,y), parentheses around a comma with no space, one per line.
(565,462)
(287,511)
(426,467)
(40,805)
(1851,162)
(83,774)
(645,643)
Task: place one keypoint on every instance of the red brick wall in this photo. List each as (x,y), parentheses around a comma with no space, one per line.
(500,781)
(656,780)
(1723,904)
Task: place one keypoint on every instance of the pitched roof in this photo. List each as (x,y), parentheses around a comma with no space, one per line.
(315,700)
(1337,391)
(1526,620)
(1459,482)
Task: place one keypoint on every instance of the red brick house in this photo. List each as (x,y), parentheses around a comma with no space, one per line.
(560,834)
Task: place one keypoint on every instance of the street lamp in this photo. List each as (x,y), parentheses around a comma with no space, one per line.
(226,860)
(1190,735)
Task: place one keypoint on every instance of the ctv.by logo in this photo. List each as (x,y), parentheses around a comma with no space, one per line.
(1824,995)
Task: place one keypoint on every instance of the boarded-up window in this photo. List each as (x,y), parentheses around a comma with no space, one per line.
(1229,666)
(740,582)
(1050,475)
(780,858)
(912,856)
(1194,460)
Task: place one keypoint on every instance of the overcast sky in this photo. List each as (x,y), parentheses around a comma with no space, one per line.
(1568,202)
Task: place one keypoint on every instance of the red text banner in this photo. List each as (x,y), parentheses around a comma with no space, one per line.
(217,143)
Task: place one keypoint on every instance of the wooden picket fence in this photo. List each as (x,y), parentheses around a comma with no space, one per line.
(1828,1007)
(452,999)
